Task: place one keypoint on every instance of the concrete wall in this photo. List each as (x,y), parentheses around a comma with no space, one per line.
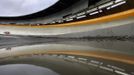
(124,30)
(41,31)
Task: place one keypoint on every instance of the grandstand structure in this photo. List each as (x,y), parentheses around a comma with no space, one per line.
(81,16)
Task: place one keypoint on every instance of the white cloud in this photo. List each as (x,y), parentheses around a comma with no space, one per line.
(23,7)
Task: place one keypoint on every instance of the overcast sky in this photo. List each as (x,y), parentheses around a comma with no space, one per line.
(23,7)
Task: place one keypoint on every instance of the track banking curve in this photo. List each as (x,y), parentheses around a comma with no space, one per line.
(118,19)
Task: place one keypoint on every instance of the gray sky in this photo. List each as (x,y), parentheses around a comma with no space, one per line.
(23,7)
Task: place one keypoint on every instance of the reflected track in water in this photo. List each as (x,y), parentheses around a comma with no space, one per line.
(65,56)
(59,64)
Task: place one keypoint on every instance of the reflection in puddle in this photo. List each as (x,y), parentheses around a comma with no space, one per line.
(59,64)
(25,69)
(28,56)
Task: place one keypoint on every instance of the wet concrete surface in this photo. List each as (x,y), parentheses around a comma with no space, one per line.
(60,64)
(112,44)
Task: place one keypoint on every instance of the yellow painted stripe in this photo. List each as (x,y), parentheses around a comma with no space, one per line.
(117,16)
